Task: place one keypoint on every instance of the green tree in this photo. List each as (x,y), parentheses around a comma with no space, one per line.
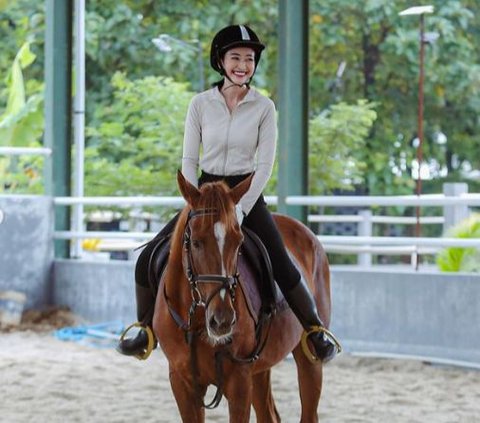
(119,38)
(334,135)
(21,21)
(380,50)
(136,149)
(21,124)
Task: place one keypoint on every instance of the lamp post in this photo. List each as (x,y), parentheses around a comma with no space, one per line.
(165,43)
(419,11)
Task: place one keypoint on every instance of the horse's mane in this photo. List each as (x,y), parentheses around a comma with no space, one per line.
(214,197)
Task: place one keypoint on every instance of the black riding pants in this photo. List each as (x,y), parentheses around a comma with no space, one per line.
(259,220)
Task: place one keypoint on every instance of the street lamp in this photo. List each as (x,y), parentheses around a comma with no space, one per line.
(166,44)
(420,11)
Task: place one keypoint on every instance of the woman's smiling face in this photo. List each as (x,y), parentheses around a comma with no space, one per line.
(239,64)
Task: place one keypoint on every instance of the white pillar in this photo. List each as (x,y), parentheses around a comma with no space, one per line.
(456,213)
(79,124)
(365,229)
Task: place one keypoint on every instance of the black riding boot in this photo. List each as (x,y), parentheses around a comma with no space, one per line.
(145,306)
(301,302)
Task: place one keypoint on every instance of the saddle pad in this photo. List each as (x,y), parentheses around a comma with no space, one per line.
(261,292)
(249,278)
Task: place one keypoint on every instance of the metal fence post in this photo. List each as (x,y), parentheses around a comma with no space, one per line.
(293,105)
(58,110)
(365,229)
(456,213)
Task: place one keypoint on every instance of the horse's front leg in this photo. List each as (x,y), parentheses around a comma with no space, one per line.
(262,399)
(186,397)
(238,392)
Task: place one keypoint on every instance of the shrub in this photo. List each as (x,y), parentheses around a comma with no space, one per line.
(458,259)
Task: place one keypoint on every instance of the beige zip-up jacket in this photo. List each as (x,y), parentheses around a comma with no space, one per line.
(234,143)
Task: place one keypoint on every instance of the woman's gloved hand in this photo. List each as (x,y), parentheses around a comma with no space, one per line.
(240,214)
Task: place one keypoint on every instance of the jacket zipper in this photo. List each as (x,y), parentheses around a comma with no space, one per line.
(225,154)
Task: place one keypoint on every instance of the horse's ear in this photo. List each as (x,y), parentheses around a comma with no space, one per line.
(189,191)
(239,190)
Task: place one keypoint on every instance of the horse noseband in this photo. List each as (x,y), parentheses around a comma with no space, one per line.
(228,283)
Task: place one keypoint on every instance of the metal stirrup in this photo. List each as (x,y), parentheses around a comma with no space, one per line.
(150,337)
(315,329)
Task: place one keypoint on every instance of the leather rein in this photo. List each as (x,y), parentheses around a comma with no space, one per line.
(228,283)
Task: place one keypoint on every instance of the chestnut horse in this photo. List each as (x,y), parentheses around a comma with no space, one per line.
(201,320)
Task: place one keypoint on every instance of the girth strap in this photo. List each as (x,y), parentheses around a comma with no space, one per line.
(195,374)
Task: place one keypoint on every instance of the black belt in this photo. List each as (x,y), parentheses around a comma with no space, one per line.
(231,180)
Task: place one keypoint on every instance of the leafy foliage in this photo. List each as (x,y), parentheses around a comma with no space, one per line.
(22,121)
(21,124)
(119,38)
(136,149)
(378,47)
(334,135)
(380,50)
(456,259)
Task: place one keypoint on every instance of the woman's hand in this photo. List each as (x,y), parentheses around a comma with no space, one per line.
(240,214)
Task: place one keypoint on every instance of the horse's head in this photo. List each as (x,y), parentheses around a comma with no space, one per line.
(212,239)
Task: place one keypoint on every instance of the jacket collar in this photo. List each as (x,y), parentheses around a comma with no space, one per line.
(215,94)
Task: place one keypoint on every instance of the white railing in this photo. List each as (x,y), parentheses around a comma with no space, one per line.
(25,151)
(394,220)
(455,205)
(399,200)
(363,245)
(121,201)
(365,221)
(455,202)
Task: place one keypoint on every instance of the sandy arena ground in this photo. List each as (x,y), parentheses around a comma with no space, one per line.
(43,379)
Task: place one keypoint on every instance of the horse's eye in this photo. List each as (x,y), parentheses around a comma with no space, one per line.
(196,243)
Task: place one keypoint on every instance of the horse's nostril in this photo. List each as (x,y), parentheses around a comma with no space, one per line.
(221,323)
(213,322)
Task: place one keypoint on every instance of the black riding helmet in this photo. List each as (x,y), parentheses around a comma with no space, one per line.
(230,37)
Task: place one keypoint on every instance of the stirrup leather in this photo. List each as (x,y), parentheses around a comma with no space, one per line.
(150,337)
(315,329)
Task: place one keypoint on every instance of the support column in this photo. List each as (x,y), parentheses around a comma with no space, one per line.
(58,109)
(293,105)
(456,213)
(365,229)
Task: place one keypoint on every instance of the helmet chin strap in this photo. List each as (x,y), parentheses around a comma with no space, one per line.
(245,84)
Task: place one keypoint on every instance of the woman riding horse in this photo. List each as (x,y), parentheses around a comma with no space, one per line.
(235,127)
(208,320)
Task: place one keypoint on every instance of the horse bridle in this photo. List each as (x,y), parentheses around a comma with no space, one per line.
(228,282)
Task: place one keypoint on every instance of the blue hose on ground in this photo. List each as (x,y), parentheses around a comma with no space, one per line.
(99,335)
